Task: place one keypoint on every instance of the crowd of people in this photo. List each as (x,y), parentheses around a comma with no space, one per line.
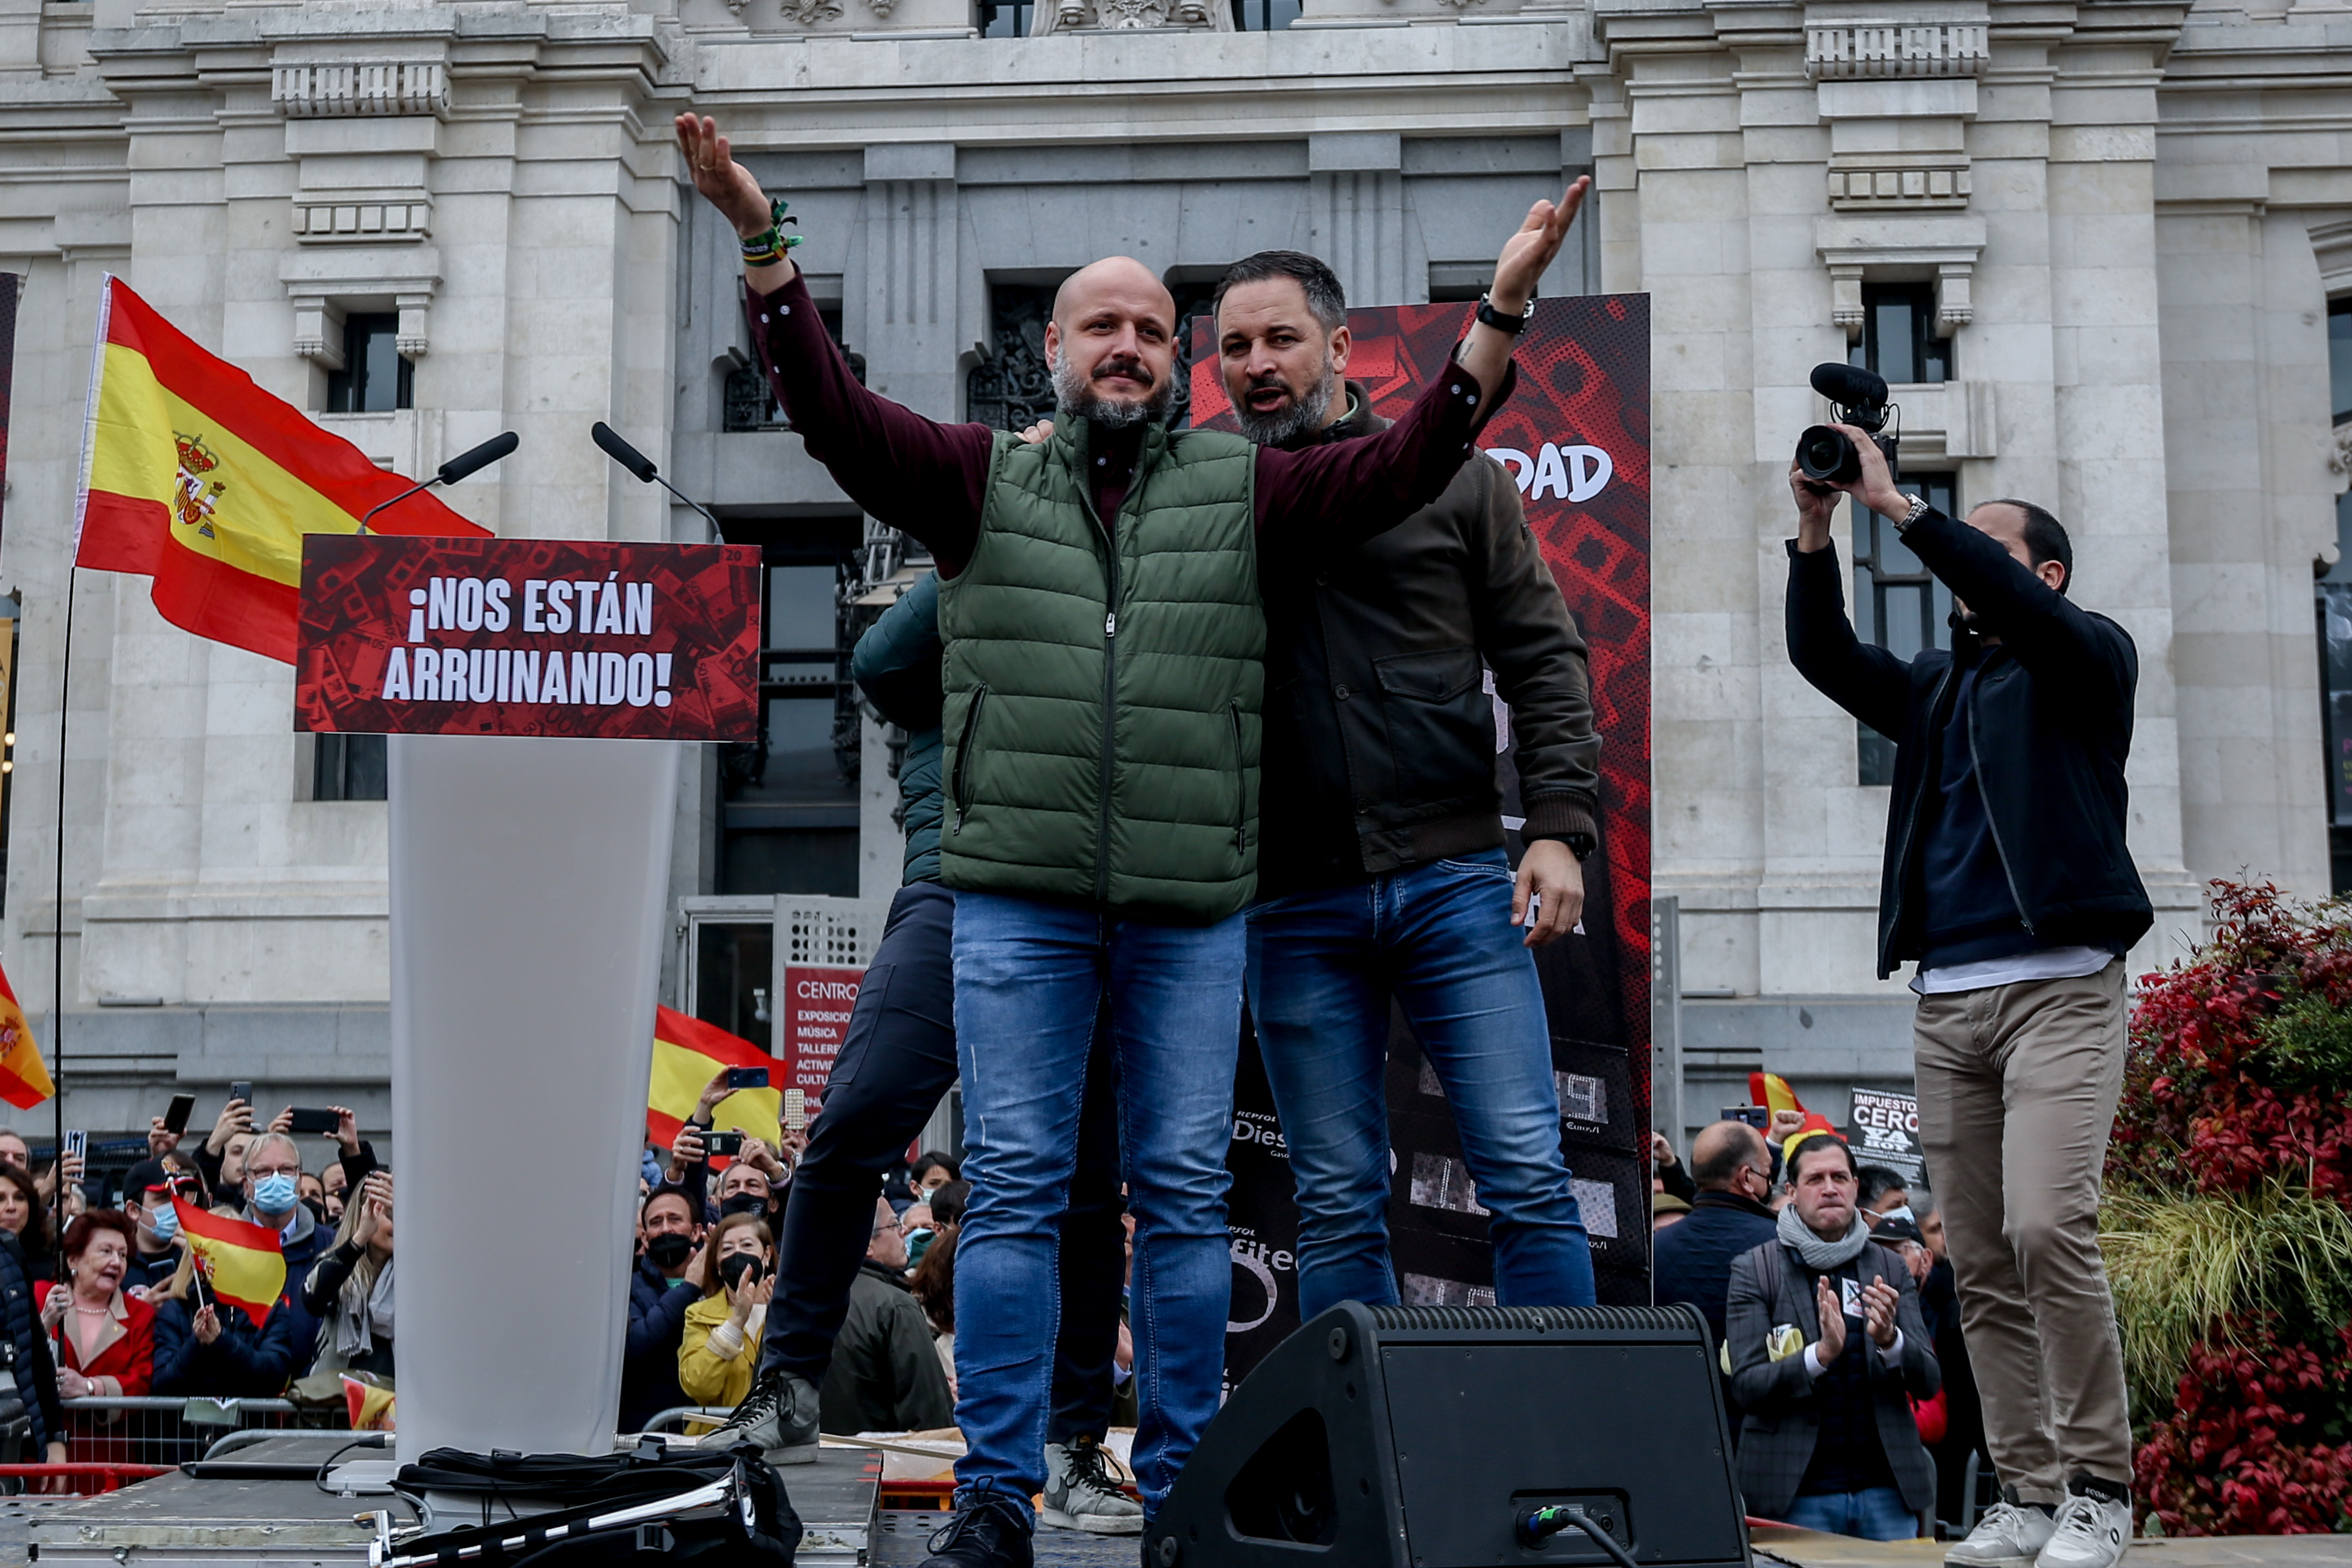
(707,1268)
(1870,1439)
(118,1306)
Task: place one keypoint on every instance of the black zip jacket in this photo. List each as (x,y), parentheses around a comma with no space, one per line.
(1380,736)
(2050,725)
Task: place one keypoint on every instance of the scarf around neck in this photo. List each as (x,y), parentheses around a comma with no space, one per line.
(1819,1256)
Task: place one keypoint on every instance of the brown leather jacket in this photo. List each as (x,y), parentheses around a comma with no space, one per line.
(1380,749)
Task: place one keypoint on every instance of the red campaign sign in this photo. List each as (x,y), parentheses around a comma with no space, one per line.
(817,1005)
(529,636)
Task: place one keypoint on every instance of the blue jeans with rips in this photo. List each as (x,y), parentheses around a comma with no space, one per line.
(1323,965)
(1031,978)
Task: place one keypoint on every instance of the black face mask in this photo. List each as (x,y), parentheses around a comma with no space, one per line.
(735,1264)
(744,1202)
(669,1250)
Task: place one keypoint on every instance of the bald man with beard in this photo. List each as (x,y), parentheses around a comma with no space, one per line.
(1105,671)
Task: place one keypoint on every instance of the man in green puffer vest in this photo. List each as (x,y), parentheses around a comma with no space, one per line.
(1104,669)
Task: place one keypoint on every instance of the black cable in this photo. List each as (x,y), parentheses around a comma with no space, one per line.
(1540,1525)
(364,1440)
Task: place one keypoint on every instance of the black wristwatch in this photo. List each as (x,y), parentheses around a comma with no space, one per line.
(1514,325)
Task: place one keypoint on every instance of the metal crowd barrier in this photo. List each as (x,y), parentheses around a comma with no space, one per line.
(167,1432)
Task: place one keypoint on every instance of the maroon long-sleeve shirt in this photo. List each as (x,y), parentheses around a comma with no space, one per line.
(926,478)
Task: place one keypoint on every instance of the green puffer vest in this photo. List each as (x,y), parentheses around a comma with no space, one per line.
(1102,706)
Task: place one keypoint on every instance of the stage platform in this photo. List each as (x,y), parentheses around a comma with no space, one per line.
(1811,1549)
(179,1522)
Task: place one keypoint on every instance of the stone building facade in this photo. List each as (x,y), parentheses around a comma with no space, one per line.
(2096,241)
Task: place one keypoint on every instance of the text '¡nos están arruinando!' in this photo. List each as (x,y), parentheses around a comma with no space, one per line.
(585,606)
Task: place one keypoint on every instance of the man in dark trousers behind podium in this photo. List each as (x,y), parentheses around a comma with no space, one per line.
(2007,877)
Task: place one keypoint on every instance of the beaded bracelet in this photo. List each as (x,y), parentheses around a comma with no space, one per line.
(768,247)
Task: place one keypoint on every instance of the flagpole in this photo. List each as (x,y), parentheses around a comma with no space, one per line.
(57,943)
(65,710)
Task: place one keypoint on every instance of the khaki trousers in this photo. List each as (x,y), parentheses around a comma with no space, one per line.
(2018,1086)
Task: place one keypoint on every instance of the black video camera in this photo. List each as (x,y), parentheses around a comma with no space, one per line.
(1827,456)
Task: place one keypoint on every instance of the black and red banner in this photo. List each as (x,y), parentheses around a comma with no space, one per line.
(1575,437)
(529,636)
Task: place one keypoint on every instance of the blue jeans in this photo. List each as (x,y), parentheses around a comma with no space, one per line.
(1439,938)
(1031,978)
(1877,1514)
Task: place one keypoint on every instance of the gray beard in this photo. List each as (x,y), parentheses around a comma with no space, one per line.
(1074,398)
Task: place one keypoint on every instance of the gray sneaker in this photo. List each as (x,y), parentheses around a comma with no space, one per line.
(2009,1534)
(779,1416)
(1081,1495)
(2090,1532)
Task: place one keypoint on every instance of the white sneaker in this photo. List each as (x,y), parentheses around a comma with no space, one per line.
(2008,1535)
(2090,1532)
(1080,1494)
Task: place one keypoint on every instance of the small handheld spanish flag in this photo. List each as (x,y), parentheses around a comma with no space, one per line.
(23,1076)
(241,1262)
(193,476)
(687,1052)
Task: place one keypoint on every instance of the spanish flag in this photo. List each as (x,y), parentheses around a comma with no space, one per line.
(686,1053)
(370,1406)
(1771,1091)
(242,1263)
(193,476)
(23,1076)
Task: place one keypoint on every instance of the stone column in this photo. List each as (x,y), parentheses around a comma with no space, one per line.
(1357,220)
(912,274)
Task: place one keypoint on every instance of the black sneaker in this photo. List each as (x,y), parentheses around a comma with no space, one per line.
(778,1417)
(990,1529)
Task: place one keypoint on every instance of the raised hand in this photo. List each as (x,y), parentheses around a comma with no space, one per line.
(1814,510)
(1529,252)
(684,1152)
(724,183)
(161,1140)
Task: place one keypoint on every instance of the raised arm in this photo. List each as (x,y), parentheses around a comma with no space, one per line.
(2046,631)
(1344,492)
(912,473)
(1861,678)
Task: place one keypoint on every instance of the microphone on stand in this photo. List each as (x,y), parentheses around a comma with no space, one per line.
(471,460)
(638,463)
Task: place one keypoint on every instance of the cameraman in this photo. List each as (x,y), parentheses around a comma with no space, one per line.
(2007,877)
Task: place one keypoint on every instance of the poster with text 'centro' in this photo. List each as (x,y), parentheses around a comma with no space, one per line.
(529,636)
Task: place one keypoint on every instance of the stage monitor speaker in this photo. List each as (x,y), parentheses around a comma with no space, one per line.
(1455,1437)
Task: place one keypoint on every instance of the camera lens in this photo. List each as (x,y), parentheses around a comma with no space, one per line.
(1827,456)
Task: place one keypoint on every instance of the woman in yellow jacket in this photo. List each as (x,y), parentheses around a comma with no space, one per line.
(737,1273)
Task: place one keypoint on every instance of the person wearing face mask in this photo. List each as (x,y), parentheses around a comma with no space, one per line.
(273,1168)
(748,1186)
(669,1229)
(351,1286)
(147,1201)
(720,1348)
